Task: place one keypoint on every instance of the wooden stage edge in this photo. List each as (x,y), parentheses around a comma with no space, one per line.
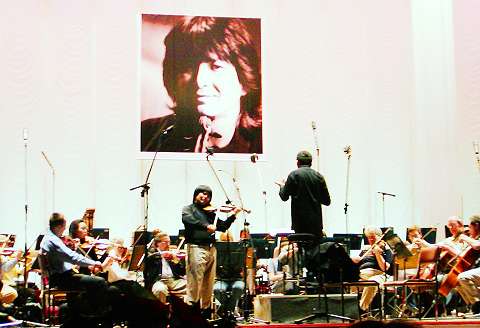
(467,323)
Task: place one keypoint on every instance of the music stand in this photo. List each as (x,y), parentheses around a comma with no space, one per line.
(353,241)
(384,229)
(397,246)
(331,264)
(263,247)
(101,233)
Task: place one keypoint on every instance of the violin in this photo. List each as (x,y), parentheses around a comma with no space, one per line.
(172,255)
(224,208)
(69,242)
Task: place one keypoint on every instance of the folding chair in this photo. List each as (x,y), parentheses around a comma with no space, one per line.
(425,280)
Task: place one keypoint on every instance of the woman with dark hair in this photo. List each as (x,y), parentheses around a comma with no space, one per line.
(84,243)
(211,72)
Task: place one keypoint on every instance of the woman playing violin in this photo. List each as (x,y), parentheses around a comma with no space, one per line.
(373,264)
(468,281)
(84,244)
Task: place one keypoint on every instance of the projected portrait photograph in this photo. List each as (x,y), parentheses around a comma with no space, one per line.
(201,85)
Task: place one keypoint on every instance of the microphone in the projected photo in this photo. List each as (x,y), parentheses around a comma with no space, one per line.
(347,150)
(210,151)
(167,131)
(477,155)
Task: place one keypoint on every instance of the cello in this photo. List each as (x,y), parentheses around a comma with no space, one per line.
(464,262)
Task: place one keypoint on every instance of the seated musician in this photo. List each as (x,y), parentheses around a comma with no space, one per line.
(229,285)
(373,264)
(286,260)
(7,293)
(130,300)
(61,261)
(84,244)
(469,281)
(164,271)
(453,244)
(115,260)
(415,239)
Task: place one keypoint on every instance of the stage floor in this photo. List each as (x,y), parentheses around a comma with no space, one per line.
(427,323)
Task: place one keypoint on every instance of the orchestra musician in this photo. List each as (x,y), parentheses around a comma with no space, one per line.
(131,301)
(7,293)
(164,271)
(84,244)
(200,230)
(114,262)
(285,260)
(451,247)
(373,264)
(61,260)
(453,244)
(469,281)
(415,239)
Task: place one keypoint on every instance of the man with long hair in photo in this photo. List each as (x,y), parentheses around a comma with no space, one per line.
(211,72)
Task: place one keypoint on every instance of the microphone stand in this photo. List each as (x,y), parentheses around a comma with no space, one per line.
(317,147)
(210,153)
(144,195)
(246,243)
(477,155)
(25,144)
(53,179)
(348,151)
(145,188)
(254,159)
(383,204)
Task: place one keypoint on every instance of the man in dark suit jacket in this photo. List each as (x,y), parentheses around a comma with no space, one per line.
(165,270)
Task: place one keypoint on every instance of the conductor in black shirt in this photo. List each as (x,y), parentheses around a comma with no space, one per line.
(308,192)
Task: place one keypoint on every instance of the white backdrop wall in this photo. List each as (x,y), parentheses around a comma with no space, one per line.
(398,81)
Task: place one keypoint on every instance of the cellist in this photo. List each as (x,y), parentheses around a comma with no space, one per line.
(453,243)
(469,281)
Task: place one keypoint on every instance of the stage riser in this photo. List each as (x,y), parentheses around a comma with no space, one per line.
(288,308)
